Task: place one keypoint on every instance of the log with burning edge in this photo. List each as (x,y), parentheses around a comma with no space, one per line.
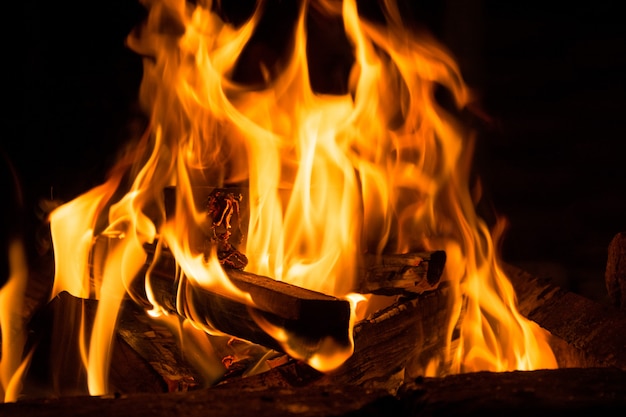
(584,332)
(310,315)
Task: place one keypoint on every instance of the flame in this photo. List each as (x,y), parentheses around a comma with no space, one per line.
(382,167)
(13,332)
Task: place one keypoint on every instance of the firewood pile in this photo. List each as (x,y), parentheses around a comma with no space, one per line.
(151,376)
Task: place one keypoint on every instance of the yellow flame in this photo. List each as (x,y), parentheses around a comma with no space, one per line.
(12,364)
(383,167)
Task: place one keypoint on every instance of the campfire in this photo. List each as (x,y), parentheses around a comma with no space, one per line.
(272,231)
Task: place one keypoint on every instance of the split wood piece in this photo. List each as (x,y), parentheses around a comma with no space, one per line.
(307,315)
(571,392)
(392,274)
(587,333)
(400,337)
(615,276)
(158,347)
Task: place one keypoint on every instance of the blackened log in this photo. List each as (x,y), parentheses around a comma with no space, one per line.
(390,274)
(615,275)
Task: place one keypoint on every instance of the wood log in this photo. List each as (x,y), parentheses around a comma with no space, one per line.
(571,392)
(158,347)
(399,338)
(615,276)
(309,315)
(390,274)
(586,333)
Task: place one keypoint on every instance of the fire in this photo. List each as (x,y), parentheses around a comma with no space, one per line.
(381,167)
(11,323)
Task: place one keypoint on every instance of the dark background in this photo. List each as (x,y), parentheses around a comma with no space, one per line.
(549,74)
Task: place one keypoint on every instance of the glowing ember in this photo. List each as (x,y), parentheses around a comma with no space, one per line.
(381,168)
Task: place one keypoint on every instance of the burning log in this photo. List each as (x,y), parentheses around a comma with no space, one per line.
(615,276)
(400,337)
(412,321)
(310,315)
(587,333)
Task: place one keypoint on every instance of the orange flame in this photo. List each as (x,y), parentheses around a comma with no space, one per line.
(12,364)
(381,168)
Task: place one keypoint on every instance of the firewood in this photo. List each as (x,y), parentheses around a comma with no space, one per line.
(586,332)
(309,315)
(615,276)
(398,338)
(390,274)
(157,346)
